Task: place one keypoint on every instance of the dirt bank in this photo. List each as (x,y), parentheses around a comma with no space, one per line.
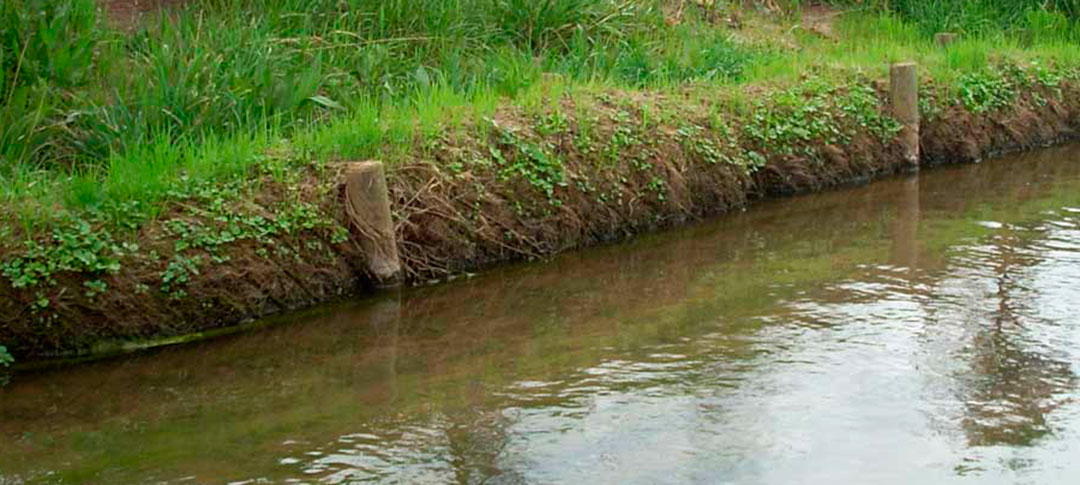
(126,14)
(522,184)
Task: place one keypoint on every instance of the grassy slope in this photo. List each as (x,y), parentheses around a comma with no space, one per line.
(95,117)
(223,73)
(224,103)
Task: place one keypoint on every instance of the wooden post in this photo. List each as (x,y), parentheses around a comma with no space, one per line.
(944,39)
(367,203)
(904,93)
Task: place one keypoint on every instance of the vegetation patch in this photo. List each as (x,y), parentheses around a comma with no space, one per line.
(5,357)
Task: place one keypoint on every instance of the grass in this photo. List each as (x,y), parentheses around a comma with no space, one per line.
(986,17)
(98,119)
(84,101)
(94,116)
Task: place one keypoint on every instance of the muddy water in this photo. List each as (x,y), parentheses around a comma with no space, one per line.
(913,331)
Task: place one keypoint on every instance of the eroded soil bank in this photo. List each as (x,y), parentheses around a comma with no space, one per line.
(577,170)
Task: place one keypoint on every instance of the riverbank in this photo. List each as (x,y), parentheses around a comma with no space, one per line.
(561,165)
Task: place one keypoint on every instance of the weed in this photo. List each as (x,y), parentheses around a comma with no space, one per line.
(95,288)
(659,187)
(74,247)
(817,111)
(985,91)
(5,358)
(532,162)
(178,274)
(692,139)
(553,124)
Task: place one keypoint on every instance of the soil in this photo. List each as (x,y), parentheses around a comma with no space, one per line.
(818,18)
(959,136)
(126,14)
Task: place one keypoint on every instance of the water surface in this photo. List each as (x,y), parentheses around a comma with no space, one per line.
(916,330)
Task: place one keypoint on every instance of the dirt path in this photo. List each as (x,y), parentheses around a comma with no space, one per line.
(125,13)
(819,19)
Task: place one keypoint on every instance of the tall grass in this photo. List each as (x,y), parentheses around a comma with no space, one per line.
(980,17)
(46,53)
(84,102)
(118,114)
(76,92)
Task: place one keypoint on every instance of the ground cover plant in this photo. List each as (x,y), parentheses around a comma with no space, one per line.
(167,144)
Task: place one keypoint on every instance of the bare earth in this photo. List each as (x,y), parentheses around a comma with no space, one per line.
(125,13)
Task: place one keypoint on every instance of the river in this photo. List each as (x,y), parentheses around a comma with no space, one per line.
(916,330)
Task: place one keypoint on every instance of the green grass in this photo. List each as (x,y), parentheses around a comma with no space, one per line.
(94,115)
(110,123)
(987,17)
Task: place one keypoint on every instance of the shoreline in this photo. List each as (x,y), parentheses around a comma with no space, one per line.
(522,185)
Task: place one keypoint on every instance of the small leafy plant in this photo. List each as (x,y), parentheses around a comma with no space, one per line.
(5,357)
(983,92)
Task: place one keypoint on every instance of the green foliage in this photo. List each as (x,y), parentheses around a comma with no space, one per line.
(706,146)
(178,274)
(5,358)
(213,216)
(686,55)
(74,247)
(213,219)
(984,17)
(816,110)
(996,87)
(544,25)
(691,137)
(984,91)
(95,288)
(48,41)
(46,52)
(84,92)
(517,157)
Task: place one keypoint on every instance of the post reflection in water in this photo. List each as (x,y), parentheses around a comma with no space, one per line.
(1015,380)
(384,320)
(918,330)
(906,235)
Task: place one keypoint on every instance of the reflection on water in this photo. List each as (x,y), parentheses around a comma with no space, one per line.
(913,331)
(1014,382)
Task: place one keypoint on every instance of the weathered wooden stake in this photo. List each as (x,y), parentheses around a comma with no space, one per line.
(944,39)
(904,93)
(367,203)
